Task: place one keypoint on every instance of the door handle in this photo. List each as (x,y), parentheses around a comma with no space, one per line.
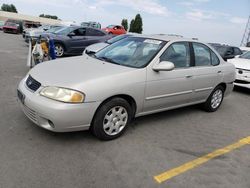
(189,76)
(219,72)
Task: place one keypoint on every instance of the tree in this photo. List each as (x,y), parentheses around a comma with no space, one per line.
(8,8)
(131,27)
(48,16)
(138,24)
(125,24)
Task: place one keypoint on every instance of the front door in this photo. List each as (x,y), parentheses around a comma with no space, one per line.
(169,89)
(76,42)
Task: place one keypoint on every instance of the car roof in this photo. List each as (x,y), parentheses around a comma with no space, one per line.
(165,37)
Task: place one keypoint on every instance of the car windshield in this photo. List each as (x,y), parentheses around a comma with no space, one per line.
(221,49)
(64,31)
(110,26)
(117,38)
(245,55)
(11,24)
(54,29)
(134,52)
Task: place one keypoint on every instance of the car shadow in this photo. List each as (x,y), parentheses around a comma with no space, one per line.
(242,90)
(143,121)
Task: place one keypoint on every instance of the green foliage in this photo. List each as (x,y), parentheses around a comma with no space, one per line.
(8,8)
(131,27)
(136,24)
(48,16)
(125,24)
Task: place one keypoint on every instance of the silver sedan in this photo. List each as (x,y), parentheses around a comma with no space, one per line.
(133,77)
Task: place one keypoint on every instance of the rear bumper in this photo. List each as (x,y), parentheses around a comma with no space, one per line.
(229,88)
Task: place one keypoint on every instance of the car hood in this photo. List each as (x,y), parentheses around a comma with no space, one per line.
(74,72)
(241,63)
(96,47)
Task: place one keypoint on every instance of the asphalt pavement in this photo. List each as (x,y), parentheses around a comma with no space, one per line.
(31,157)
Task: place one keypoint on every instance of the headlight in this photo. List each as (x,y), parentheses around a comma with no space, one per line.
(62,94)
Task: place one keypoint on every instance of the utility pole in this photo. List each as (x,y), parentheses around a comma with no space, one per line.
(246,36)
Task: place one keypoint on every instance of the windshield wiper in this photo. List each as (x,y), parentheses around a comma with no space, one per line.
(107,60)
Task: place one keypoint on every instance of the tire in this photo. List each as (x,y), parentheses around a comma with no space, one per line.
(112,119)
(59,50)
(214,100)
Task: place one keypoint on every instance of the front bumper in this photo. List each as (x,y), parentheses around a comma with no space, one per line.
(53,115)
(242,78)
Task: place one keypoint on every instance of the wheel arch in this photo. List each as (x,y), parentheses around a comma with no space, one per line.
(224,85)
(126,97)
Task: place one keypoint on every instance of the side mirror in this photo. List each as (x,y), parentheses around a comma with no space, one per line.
(71,34)
(163,66)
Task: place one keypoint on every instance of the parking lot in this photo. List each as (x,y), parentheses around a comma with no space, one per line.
(33,157)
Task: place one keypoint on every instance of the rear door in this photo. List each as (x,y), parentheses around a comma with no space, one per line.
(94,36)
(76,41)
(208,72)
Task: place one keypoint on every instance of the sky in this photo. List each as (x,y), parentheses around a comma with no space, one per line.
(222,21)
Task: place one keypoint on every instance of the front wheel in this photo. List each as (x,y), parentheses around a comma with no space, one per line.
(59,50)
(111,119)
(214,100)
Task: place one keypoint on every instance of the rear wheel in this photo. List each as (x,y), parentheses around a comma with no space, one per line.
(214,100)
(111,119)
(59,50)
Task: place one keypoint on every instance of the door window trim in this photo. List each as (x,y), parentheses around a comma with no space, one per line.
(190,62)
(210,54)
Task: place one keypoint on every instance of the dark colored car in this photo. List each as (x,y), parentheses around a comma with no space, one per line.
(227,52)
(73,40)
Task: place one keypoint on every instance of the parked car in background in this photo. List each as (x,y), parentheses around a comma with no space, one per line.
(19,26)
(73,40)
(28,26)
(244,49)
(115,30)
(11,27)
(242,64)
(227,52)
(36,33)
(91,24)
(1,25)
(133,77)
(92,49)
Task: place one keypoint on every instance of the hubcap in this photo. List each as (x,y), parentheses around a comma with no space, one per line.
(216,99)
(115,120)
(59,50)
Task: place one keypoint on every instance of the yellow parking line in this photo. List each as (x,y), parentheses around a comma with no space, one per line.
(192,164)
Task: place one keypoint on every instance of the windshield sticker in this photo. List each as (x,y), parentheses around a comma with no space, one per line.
(152,41)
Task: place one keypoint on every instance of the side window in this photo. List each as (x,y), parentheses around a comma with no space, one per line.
(177,53)
(80,32)
(94,32)
(229,51)
(215,59)
(201,55)
(237,51)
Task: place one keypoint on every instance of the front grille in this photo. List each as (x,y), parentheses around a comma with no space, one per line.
(31,114)
(32,83)
(241,82)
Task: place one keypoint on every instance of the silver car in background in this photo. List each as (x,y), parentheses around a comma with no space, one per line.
(92,49)
(133,77)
